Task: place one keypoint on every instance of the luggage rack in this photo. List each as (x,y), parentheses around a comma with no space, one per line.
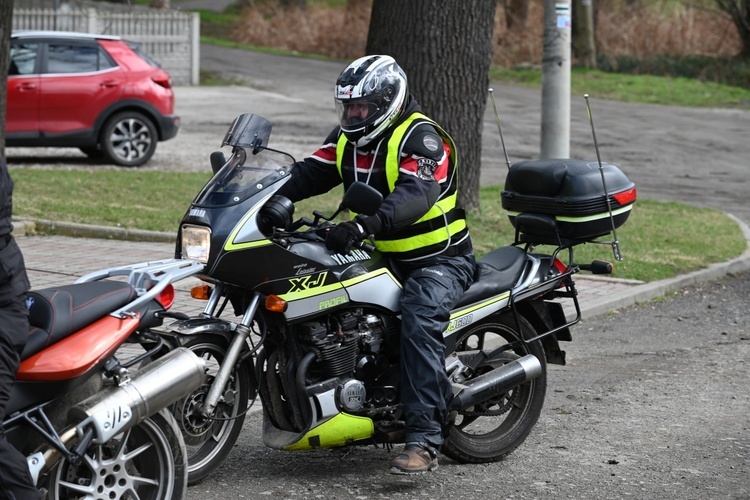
(552,291)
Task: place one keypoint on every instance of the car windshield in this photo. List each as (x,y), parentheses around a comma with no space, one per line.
(251,168)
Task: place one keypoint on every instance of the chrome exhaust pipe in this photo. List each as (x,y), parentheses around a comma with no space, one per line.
(496,382)
(149,390)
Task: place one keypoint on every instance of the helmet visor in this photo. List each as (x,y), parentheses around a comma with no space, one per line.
(356,114)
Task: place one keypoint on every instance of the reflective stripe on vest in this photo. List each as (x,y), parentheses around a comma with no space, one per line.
(440,209)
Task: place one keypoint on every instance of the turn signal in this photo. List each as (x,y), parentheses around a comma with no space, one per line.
(274,303)
(200,292)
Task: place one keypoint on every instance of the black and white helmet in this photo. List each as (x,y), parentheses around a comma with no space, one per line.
(369,94)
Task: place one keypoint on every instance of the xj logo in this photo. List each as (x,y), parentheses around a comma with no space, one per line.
(307,282)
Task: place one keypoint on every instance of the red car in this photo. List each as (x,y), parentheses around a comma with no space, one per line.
(95,92)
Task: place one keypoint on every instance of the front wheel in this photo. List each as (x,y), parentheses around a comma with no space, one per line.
(492,429)
(209,440)
(147,462)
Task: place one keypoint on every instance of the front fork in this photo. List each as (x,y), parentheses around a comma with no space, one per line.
(238,342)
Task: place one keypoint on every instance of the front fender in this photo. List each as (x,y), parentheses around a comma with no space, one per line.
(203,326)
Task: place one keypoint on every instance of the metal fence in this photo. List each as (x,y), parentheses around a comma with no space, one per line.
(171,37)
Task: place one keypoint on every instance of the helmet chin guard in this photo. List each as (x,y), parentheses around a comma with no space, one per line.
(369,96)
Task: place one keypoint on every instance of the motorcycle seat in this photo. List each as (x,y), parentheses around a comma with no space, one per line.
(55,313)
(497,272)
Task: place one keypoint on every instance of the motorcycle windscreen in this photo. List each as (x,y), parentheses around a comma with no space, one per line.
(251,168)
(248,131)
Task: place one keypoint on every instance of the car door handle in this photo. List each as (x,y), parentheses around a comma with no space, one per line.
(27,86)
(109,84)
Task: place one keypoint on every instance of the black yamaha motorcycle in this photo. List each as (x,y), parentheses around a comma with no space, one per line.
(315,334)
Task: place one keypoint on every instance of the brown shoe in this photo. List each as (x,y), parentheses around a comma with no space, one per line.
(413,460)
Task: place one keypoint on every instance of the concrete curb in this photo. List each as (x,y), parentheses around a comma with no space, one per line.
(33,226)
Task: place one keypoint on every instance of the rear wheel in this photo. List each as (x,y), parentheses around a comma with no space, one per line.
(147,462)
(128,139)
(209,440)
(492,429)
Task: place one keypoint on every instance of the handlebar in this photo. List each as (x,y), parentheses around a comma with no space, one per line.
(317,229)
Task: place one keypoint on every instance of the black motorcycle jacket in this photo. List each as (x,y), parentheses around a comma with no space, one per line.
(425,176)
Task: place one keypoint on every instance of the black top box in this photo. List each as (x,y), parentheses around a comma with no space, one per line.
(562,201)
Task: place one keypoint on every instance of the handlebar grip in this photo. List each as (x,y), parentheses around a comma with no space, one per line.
(363,245)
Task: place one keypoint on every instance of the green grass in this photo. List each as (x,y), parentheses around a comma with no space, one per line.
(636,88)
(658,241)
(128,198)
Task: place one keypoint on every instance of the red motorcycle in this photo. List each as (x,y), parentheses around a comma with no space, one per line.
(91,424)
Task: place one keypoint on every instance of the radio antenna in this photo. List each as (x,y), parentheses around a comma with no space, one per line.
(499,129)
(616,243)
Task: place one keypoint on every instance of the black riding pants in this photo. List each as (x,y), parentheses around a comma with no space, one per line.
(431,289)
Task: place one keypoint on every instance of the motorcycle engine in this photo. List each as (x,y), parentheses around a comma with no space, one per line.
(349,347)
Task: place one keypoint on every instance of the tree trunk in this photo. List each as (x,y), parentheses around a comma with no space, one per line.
(445,48)
(6,23)
(739,12)
(584,46)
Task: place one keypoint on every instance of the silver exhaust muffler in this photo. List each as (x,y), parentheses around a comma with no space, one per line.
(149,390)
(496,382)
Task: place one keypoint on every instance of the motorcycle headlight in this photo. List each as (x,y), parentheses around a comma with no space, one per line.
(196,243)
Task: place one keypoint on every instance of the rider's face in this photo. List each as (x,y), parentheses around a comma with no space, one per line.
(357,111)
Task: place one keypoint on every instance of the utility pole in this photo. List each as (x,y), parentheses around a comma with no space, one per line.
(556,80)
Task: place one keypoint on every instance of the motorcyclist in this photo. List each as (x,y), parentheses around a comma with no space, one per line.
(383,139)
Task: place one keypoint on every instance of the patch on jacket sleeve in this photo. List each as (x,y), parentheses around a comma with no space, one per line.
(426,169)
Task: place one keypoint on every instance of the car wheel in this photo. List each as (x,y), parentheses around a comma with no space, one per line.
(128,139)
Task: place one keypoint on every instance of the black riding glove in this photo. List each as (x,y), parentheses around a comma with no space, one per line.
(341,238)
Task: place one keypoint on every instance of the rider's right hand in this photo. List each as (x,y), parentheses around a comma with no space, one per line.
(341,237)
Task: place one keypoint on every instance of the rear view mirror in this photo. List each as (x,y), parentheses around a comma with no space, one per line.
(362,199)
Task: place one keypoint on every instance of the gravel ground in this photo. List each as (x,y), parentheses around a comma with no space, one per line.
(651,405)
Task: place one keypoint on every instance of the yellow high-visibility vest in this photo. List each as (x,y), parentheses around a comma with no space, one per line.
(438,223)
